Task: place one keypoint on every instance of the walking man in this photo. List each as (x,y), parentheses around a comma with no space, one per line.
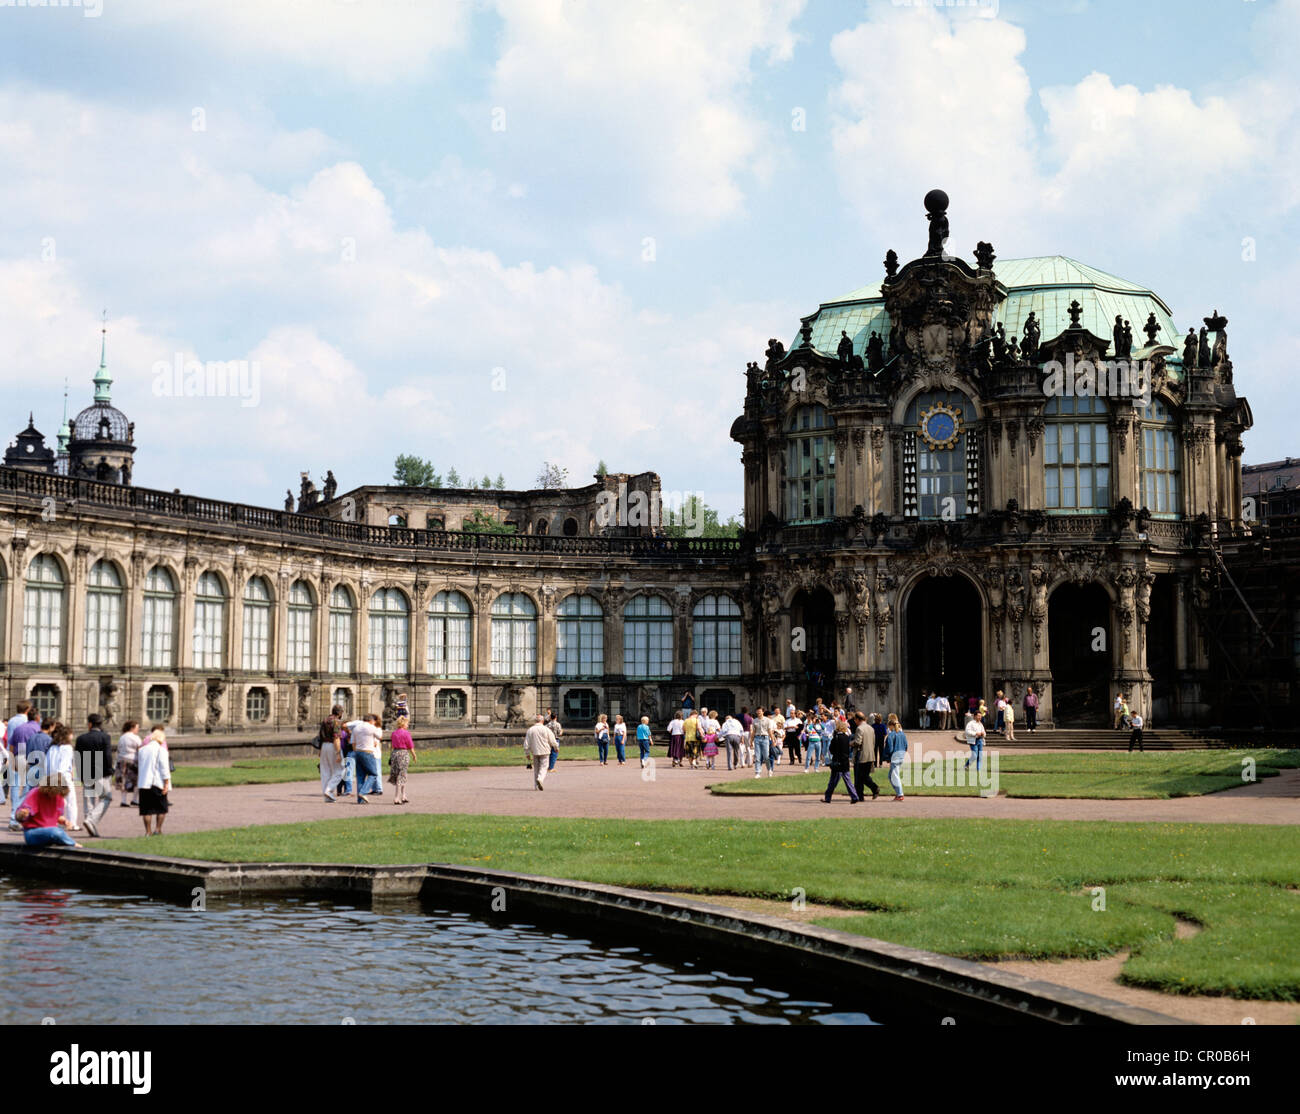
(367,749)
(538,744)
(975,738)
(1135,735)
(553,722)
(94,756)
(864,747)
(1031,709)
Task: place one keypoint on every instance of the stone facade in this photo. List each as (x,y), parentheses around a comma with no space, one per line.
(925,508)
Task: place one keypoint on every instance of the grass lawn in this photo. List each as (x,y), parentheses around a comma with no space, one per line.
(266,771)
(1110,776)
(974,888)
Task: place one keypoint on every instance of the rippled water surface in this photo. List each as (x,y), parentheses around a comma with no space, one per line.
(82,957)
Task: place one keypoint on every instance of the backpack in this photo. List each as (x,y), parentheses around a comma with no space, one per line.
(329,731)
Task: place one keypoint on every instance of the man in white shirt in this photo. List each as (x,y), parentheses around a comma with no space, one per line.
(944,706)
(1135,734)
(975,739)
(732,734)
(367,746)
(538,744)
(760,740)
(931,706)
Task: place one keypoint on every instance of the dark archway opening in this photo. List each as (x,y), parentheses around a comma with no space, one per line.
(1080,654)
(812,615)
(945,645)
(1162,639)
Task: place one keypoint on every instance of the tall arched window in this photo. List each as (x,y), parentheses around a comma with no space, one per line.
(648,638)
(514,636)
(715,637)
(390,633)
(209,622)
(43,612)
(257,625)
(298,644)
(1076,454)
(103,639)
(941,461)
(810,465)
(449,635)
(158,620)
(342,629)
(579,638)
(1160,463)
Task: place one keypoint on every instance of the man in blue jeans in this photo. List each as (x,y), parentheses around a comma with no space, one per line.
(25,724)
(975,739)
(762,743)
(366,736)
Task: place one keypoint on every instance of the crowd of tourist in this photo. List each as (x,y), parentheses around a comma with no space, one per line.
(45,768)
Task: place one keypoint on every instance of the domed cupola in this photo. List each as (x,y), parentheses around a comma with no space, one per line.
(102,441)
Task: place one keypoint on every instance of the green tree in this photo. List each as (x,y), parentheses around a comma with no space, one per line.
(601,470)
(414,471)
(453,478)
(480,522)
(552,477)
(486,482)
(697,519)
(501,482)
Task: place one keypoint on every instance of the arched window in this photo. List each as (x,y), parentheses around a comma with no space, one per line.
(158,620)
(810,465)
(648,638)
(342,629)
(579,638)
(1160,460)
(543,526)
(257,625)
(514,636)
(298,646)
(449,635)
(570,527)
(715,637)
(43,612)
(103,640)
(209,622)
(1076,454)
(390,633)
(941,475)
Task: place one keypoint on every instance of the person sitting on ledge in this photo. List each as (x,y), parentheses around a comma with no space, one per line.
(43,815)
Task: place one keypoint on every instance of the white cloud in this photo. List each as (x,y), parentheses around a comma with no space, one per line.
(650,100)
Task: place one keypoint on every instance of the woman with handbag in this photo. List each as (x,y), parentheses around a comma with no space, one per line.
(602,738)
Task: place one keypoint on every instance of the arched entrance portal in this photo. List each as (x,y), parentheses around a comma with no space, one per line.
(1079,640)
(812,630)
(945,642)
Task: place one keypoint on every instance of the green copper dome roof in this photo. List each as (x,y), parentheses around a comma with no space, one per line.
(1046,284)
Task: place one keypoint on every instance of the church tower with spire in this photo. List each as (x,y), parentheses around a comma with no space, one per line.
(100,441)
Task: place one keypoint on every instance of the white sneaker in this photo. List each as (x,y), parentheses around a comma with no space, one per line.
(758,774)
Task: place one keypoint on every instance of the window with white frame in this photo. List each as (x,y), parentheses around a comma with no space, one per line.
(298,641)
(158,704)
(390,633)
(715,637)
(514,636)
(158,620)
(257,625)
(450,704)
(579,638)
(209,622)
(257,705)
(43,612)
(810,465)
(342,633)
(1160,460)
(648,638)
(1076,454)
(449,635)
(103,637)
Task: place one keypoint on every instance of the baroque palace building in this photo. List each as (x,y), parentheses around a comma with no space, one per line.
(938,495)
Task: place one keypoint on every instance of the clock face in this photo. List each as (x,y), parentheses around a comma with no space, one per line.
(940,426)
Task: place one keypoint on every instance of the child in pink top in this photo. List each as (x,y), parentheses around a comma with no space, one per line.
(43,817)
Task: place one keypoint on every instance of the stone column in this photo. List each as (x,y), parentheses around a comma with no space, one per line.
(74,650)
(17,593)
(133,622)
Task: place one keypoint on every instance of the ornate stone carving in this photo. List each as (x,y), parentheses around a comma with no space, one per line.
(995,435)
(1196,438)
(996,586)
(877,442)
(1126,580)
(1038,604)
(1145,582)
(1034,431)
(109,691)
(884,610)
(1015,603)
(1013,434)
(1120,422)
(859,443)
(215,690)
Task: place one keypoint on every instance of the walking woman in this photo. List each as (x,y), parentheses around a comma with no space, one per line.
(642,740)
(895,753)
(602,738)
(620,739)
(400,758)
(128,746)
(155,781)
(676,740)
(694,740)
(841,743)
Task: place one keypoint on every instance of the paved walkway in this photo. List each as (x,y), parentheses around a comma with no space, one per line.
(579,788)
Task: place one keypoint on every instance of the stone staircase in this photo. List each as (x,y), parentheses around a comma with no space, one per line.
(1100,738)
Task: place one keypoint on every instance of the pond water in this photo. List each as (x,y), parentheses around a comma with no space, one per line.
(82,957)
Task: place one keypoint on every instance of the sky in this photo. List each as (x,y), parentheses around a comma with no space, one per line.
(495,233)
